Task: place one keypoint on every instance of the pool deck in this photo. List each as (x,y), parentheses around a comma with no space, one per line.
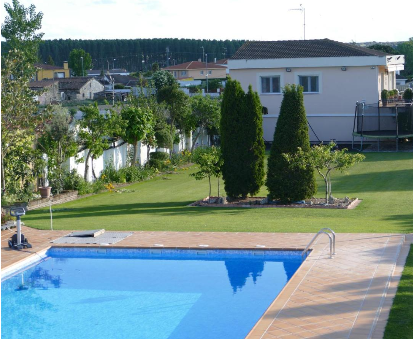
(347,297)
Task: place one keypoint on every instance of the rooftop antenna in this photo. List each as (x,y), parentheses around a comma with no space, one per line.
(302,9)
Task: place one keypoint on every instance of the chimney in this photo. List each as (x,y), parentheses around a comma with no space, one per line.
(215,60)
(199,59)
(65,65)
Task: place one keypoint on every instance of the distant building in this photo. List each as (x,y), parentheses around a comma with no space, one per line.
(96,73)
(46,71)
(48,91)
(80,88)
(197,70)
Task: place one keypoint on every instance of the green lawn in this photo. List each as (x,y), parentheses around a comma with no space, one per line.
(384,181)
(400,323)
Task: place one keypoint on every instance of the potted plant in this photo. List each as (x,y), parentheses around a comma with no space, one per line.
(408,95)
(384,97)
(45,192)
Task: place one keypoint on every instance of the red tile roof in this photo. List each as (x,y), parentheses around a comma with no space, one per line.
(194,65)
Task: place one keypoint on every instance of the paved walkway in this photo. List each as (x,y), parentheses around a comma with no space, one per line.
(348,296)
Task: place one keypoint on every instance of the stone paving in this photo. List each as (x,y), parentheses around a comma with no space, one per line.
(348,296)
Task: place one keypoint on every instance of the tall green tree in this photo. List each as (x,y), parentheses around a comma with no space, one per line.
(80,61)
(406,48)
(241,141)
(290,184)
(97,131)
(254,142)
(58,143)
(206,115)
(161,79)
(20,30)
(50,60)
(138,125)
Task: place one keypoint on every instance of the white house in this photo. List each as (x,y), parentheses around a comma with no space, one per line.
(334,75)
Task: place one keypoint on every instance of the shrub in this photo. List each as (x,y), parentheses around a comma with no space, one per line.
(290,184)
(135,173)
(384,94)
(159,155)
(408,94)
(110,174)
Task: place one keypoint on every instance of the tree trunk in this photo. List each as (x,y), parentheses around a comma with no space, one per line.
(86,165)
(3,180)
(93,170)
(209,197)
(135,152)
(195,139)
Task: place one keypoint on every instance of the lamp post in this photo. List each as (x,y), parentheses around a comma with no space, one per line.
(302,9)
(206,70)
(113,64)
(83,73)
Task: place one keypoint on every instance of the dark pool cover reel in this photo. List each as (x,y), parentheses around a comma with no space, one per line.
(23,242)
(18,241)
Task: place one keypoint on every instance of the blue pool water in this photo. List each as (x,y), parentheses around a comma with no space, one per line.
(142,293)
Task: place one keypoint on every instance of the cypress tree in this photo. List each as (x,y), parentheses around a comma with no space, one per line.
(242,145)
(255,142)
(283,182)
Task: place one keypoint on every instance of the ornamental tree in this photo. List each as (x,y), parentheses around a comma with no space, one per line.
(284,182)
(210,163)
(325,159)
(96,130)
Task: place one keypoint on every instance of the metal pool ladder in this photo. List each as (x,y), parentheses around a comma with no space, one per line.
(331,237)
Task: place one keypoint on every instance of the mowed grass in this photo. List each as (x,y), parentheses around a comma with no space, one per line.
(384,181)
(400,323)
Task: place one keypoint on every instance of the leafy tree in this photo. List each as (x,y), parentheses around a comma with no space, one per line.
(210,163)
(75,62)
(19,112)
(206,114)
(50,60)
(58,142)
(290,184)
(242,143)
(178,106)
(325,159)
(406,48)
(163,79)
(20,32)
(139,122)
(155,67)
(96,132)
(384,48)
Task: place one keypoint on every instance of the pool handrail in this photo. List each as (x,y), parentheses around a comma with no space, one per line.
(331,239)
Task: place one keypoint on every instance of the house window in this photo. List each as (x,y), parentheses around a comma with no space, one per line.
(270,84)
(183,73)
(175,74)
(201,72)
(59,74)
(309,83)
(209,72)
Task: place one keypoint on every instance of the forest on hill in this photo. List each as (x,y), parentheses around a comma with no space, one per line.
(136,54)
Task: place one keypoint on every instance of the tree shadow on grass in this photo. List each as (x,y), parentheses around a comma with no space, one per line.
(403,220)
(157,209)
(387,156)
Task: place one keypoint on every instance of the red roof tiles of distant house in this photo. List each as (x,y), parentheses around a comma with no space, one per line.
(194,65)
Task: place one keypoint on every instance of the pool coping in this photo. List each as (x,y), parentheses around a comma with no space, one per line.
(279,320)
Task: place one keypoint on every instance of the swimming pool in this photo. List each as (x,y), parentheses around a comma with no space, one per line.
(143,293)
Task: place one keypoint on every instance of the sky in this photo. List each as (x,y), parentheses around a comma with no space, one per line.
(345,21)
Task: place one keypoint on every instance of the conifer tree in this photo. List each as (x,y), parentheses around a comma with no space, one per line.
(241,141)
(283,182)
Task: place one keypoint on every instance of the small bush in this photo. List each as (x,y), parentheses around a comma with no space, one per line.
(156,164)
(135,173)
(110,174)
(181,158)
(159,155)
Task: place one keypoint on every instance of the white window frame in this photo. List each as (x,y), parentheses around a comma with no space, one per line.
(183,73)
(201,72)
(310,74)
(269,75)
(209,72)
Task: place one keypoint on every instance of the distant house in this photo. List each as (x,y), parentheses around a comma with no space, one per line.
(80,88)
(46,71)
(120,71)
(197,70)
(400,80)
(222,62)
(48,91)
(334,76)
